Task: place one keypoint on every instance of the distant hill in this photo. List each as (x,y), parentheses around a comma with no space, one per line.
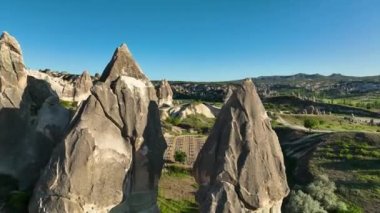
(305,86)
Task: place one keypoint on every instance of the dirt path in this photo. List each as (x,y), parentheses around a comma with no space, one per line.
(299,127)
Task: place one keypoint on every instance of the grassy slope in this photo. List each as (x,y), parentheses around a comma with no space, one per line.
(176,191)
(351,160)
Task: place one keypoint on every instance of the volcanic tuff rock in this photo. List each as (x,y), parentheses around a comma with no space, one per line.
(241,168)
(228,94)
(69,87)
(31,119)
(112,156)
(192,109)
(165,94)
(12,74)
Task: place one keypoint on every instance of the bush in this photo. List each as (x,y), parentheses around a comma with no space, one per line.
(180,156)
(310,123)
(299,202)
(322,190)
(173,120)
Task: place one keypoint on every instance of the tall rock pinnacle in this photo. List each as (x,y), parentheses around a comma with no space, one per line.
(122,63)
(165,94)
(241,167)
(12,74)
(112,157)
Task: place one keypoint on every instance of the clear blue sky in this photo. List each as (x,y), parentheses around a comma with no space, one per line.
(200,39)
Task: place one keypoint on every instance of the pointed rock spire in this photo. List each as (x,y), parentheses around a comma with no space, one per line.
(11,42)
(165,94)
(82,87)
(12,74)
(241,167)
(111,158)
(122,64)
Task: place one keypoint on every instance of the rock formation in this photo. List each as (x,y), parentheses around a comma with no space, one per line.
(228,94)
(31,119)
(112,157)
(12,72)
(192,109)
(82,87)
(165,94)
(241,167)
(73,88)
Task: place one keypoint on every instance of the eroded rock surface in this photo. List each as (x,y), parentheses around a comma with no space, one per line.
(165,94)
(112,156)
(31,120)
(12,72)
(241,167)
(193,109)
(73,88)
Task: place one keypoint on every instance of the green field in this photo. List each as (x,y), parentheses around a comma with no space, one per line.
(331,122)
(369,102)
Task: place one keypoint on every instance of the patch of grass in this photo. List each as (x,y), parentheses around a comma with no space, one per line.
(177,171)
(176,206)
(70,105)
(176,190)
(198,122)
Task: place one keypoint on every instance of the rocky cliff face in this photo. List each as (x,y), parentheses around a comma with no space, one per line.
(31,119)
(241,168)
(165,94)
(112,156)
(73,88)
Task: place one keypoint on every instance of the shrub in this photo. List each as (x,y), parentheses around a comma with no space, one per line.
(173,120)
(180,156)
(322,190)
(299,202)
(310,123)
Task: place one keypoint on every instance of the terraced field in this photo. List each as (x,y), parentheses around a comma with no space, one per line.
(190,144)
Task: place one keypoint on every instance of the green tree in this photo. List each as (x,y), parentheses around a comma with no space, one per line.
(180,156)
(310,123)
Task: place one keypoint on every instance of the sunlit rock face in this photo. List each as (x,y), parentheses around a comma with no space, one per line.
(112,157)
(31,119)
(12,72)
(165,94)
(241,167)
(68,87)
